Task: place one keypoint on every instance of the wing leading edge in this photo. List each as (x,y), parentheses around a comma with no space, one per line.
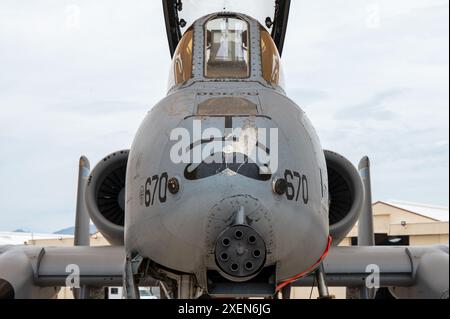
(37,272)
(410,272)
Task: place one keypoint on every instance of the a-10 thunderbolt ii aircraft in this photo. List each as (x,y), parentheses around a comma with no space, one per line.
(226,190)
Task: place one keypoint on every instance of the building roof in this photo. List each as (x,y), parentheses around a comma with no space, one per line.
(18,238)
(438,213)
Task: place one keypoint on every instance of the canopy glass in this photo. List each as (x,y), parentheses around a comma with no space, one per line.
(181,14)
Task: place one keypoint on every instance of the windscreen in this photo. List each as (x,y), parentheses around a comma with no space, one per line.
(227,53)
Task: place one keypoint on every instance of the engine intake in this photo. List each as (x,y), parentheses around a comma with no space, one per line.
(346,195)
(105,196)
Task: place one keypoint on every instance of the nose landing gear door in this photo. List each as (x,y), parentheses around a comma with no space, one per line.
(180,14)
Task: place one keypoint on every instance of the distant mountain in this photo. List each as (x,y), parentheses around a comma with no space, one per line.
(71,230)
(20,231)
(66,231)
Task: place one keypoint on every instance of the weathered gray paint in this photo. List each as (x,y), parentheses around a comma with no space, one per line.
(82,220)
(190,221)
(30,268)
(366,235)
(422,272)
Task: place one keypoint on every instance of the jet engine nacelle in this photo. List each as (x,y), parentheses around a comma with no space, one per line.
(346,195)
(105,196)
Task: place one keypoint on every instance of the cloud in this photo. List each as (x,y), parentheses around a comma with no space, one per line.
(308,96)
(100,108)
(376,108)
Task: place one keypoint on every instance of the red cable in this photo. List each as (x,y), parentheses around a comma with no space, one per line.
(322,258)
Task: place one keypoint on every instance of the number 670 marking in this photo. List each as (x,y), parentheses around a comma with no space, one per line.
(293,191)
(156,183)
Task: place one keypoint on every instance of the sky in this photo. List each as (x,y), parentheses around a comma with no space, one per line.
(77,77)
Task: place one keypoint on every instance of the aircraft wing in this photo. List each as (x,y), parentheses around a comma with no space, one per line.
(411,272)
(34,272)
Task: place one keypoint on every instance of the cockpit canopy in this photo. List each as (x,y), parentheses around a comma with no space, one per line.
(230,51)
(180,14)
